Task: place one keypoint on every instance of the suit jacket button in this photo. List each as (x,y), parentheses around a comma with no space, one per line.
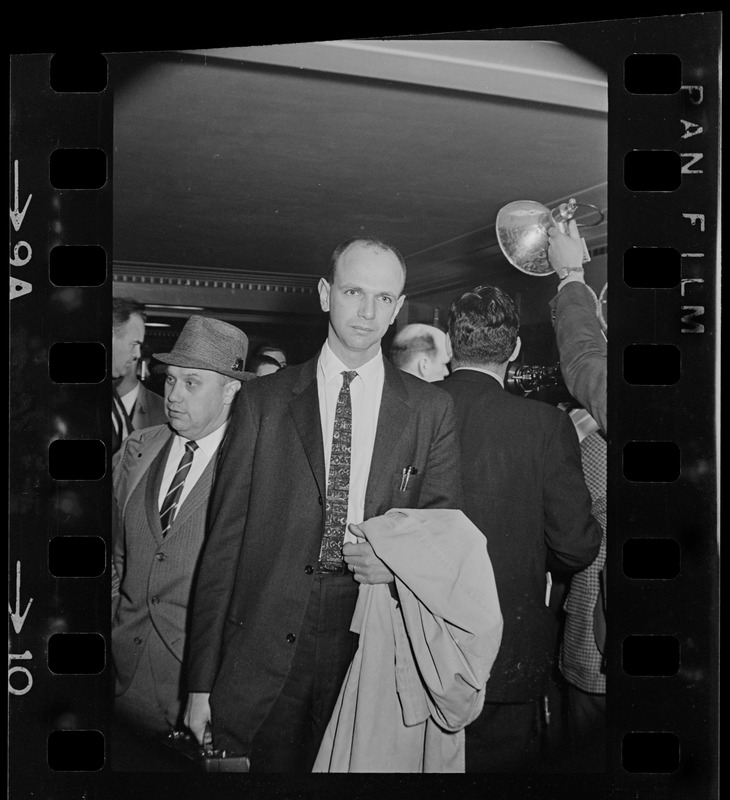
(309,569)
(138,640)
(291,638)
(160,556)
(155,600)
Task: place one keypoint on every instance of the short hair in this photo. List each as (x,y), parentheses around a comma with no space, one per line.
(122,310)
(375,244)
(405,348)
(483,326)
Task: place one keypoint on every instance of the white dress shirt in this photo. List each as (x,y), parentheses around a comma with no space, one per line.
(130,398)
(366,391)
(207,447)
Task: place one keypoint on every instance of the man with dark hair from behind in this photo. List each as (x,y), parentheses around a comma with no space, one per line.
(524,489)
(421,350)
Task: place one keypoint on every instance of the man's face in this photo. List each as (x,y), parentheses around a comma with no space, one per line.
(197,401)
(126,345)
(436,368)
(363,300)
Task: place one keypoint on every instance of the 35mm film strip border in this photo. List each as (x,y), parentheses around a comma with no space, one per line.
(663,573)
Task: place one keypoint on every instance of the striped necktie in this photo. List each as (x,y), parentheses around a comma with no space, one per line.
(338,482)
(121,423)
(172,498)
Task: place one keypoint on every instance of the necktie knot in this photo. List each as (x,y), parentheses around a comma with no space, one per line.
(347,378)
(191,446)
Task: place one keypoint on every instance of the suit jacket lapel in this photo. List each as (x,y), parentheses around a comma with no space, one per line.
(304,408)
(154,481)
(198,494)
(392,421)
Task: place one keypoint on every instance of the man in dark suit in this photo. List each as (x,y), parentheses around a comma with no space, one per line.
(312,449)
(162,481)
(524,489)
(128,328)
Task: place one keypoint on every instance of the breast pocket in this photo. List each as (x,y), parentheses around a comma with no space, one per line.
(406,489)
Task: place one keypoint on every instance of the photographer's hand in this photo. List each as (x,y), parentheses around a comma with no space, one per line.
(565,252)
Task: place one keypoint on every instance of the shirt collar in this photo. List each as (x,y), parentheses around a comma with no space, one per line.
(584,423)
(208,444)
(331,366)
(485,371)
(130,398)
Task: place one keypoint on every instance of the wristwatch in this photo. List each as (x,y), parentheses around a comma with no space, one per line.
(565,272)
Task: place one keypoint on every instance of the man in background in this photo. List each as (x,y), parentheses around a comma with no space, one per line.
(271,350)
(524,489)
(421,350)
(128,320)
(263,365)
(582,347)
(144,407)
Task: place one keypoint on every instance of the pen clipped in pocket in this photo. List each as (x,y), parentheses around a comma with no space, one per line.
(409,479)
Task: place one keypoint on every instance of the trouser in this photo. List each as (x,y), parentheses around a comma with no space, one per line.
(290,736)
(151,702)
(587,727)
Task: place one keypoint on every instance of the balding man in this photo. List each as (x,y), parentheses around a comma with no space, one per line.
(421,350)
(313,451)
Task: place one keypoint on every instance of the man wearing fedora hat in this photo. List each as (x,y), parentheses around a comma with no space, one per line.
(313,450)
(162,478)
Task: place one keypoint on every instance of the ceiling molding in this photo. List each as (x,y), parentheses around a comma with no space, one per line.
(183,275)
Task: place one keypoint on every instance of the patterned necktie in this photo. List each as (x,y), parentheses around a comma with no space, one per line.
(338,483)
(172,498)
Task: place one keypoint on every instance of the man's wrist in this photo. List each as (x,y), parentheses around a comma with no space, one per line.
(565,271)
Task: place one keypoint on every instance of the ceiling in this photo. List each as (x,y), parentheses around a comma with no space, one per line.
(237,171)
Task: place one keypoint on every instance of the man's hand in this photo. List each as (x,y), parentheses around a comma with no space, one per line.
(197,717)
(360,558)
(565,249)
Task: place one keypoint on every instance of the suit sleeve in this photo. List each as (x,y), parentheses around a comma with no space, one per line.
(582,348)
(572,534)
(219,563)
(442,478)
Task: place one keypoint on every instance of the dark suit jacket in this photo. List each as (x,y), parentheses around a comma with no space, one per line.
(149,409)
(524,489)
(267,518)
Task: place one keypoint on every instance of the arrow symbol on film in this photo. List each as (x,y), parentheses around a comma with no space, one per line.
(18,618)
(16,215)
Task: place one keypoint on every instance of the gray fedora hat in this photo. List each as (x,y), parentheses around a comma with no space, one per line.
(207,343)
